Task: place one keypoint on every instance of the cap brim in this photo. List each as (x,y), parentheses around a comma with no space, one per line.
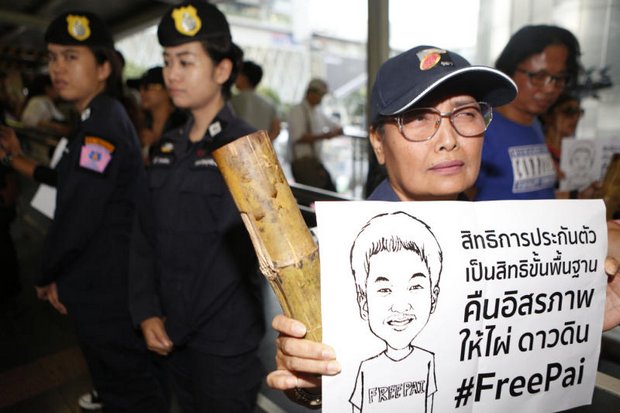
(483,83)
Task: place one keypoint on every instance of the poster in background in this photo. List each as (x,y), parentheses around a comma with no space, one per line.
(511,322)
(584,161)
(44,199)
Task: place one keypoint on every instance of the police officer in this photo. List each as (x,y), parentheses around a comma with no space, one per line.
(85,262)
(194,285)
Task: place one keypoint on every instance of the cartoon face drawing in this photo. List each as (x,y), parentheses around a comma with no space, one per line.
(582,159)
(399,297)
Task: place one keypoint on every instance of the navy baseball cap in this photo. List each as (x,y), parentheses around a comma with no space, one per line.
(80,28)
(153,76)
(407,78)
(191,21)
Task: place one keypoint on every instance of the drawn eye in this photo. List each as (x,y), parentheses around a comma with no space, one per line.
(384,290)
(416,287)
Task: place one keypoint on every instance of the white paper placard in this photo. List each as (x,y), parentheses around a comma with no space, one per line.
(44,199)
(516,322)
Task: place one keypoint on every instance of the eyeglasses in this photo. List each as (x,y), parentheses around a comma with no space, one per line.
(542,78)
(573,111)
(421,124)
(151,86)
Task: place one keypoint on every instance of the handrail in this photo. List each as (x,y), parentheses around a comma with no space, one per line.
(307,195)
(608,383)
(39,136)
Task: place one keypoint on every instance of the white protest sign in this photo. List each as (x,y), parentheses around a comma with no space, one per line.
(44,199)
(584,161)
(509,320)
(608,147)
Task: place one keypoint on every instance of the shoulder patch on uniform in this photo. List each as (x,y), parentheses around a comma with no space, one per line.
(96,154)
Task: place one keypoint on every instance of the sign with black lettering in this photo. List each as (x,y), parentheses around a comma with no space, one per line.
(462,306)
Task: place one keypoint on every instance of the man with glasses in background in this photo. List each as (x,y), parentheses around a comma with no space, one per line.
(516,164)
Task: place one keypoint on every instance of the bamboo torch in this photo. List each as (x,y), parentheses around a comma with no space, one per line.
(287,254)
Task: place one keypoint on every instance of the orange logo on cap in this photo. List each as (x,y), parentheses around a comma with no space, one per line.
(78,27)
(186,20)
(429,58)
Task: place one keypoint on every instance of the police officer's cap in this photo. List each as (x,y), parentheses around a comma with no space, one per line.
(80,28)
(191,21)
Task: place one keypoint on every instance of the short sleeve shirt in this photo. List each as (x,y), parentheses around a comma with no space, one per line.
(516,163)
(383,384)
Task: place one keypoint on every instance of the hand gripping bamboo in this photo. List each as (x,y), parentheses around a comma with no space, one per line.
(287,254)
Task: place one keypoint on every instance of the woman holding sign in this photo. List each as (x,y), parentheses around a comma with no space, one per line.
(429,111)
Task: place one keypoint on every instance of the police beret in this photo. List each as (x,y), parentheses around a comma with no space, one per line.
(79,28)
(191,21)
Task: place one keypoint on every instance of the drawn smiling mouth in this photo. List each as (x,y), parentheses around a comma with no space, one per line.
(401,321)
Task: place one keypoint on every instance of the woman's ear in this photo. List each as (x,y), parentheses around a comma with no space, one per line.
(104,71)
(376,141)
(222,71)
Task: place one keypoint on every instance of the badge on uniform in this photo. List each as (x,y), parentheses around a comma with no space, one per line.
(215,128)
(203,158)
(96,154)
(186,20)
(78,27)
(163,155)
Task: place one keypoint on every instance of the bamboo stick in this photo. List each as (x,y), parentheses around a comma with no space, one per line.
(287,254)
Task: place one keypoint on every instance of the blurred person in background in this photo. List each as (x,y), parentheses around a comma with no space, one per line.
(252,107)
(560,122)
(40,110)
(308,125)
(542,60)
(160,114)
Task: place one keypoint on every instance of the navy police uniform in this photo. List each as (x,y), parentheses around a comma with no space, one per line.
(194,265)
(192,261)
(10,284)
(87,253)
(87,246)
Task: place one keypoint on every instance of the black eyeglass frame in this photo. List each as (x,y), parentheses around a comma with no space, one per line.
(485,110)
(573,111)
(543,78)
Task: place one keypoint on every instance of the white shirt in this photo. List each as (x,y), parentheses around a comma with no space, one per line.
(40,108)
(302,119)
(254,109)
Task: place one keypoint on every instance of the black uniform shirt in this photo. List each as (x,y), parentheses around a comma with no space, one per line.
(192,259)
(87,246)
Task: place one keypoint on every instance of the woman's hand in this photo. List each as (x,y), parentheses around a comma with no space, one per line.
(155,335)
(299,362)
(50,293)
(612,268)
(9,141)
(612,299)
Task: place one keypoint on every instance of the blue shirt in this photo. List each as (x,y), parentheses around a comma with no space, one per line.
(385,192)
(516,163)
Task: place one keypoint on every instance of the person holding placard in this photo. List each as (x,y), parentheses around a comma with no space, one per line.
(429,112)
